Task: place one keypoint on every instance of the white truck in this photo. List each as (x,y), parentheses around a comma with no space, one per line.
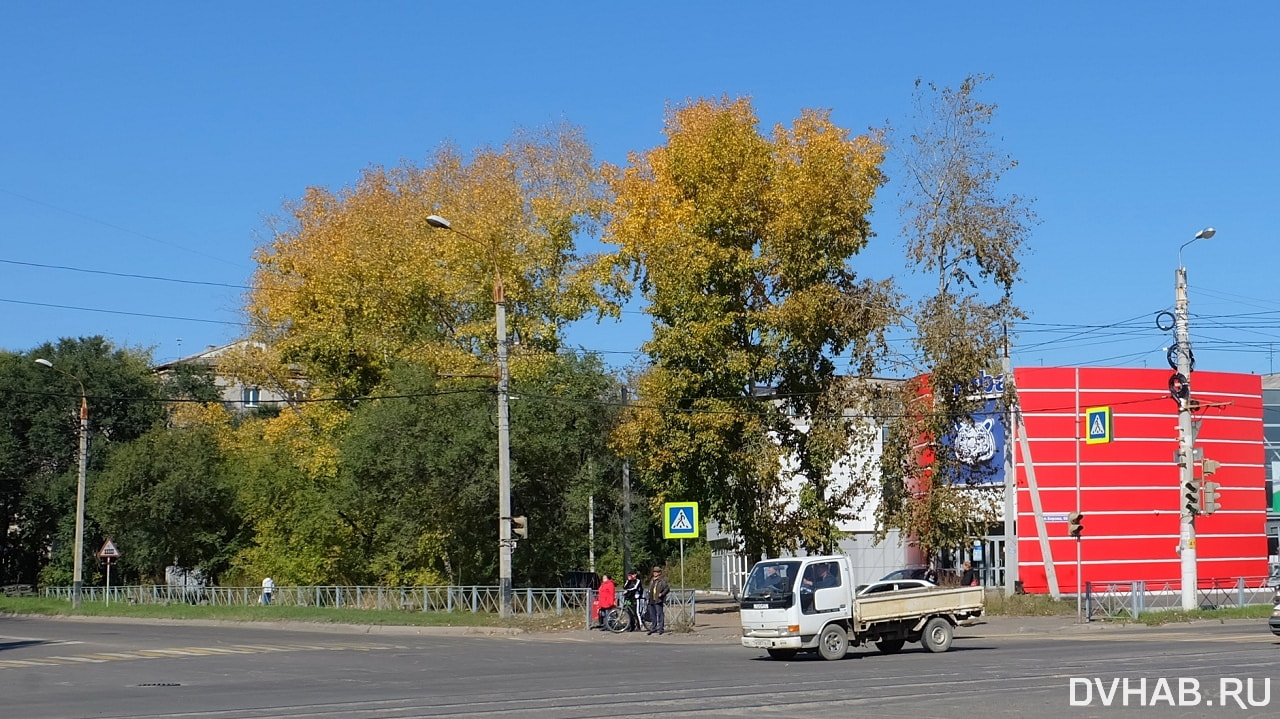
(799,604)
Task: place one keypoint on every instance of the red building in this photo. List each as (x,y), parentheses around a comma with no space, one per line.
(1128,487)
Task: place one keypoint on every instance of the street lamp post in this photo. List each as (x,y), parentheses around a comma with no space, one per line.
(1186,433)
(504,427)
(77,583)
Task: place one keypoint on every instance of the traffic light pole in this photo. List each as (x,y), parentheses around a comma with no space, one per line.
(1186,446)
(504,454)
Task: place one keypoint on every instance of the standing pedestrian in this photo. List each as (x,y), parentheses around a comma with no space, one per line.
(606,599)
(268,588)
(631,592)
(657,598)
(968,578)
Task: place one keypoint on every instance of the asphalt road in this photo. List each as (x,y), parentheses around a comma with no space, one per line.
(1029,668)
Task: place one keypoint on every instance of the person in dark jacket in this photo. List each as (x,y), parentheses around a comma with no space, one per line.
(657,598)
(968,578)
(631,592)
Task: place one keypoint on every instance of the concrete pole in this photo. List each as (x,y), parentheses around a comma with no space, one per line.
(1186,445)
(77,582)
(626,506)
(1010,490)
(504,452)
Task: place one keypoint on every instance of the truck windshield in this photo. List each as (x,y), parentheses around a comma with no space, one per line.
(771,579)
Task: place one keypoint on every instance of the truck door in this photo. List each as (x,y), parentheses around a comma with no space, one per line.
(821,588)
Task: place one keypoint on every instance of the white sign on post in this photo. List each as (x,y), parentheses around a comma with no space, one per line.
(109,550)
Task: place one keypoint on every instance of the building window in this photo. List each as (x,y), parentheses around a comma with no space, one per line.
(250,397)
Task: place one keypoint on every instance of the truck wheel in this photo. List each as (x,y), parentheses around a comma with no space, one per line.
(833,643)
(782,654)
(890,646)
(937,635)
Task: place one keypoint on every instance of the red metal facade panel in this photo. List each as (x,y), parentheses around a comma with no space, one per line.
(1128,488)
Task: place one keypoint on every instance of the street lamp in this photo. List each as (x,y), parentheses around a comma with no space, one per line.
(504,426)
(1186,433)
(77,583)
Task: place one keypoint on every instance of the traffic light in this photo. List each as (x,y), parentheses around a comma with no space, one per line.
(1075,525)
(520,527)
(1191,496)
(1210,503)
(1209,466)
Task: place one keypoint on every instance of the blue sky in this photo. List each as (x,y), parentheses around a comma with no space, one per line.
(158,138)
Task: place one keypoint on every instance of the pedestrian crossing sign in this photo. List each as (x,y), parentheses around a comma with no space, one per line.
(1097,422)
(680,520)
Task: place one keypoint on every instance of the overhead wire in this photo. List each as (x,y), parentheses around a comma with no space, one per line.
(1062,337)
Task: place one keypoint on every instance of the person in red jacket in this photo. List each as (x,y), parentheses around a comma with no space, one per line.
(606,598)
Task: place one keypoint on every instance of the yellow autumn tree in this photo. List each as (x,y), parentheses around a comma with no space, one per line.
(355,280)
(358,278)
(740,243)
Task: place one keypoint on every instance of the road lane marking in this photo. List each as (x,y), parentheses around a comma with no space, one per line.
(180,652)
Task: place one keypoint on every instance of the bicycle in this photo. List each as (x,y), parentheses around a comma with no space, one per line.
(638,614)
(615,619)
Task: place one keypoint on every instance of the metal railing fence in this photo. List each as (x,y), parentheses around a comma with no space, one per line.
(1127,600)
(528,601)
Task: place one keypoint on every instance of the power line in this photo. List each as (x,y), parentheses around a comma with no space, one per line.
(121,312)
(127,275)
(126,230)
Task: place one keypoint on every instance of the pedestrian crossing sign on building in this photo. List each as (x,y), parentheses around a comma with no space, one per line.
(1097,422)
(680,520)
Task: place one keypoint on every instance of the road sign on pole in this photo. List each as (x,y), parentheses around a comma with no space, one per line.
(109,550)
(680,520)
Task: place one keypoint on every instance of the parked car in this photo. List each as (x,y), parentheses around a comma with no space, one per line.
(894,585)
(1275,615)
(909,573)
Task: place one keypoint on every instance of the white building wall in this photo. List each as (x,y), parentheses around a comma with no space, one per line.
(871,561)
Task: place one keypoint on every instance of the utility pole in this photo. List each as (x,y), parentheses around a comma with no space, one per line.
(77,576)
(504,452)
(505,519)
(626,505)
(1186,446)
(1180,387)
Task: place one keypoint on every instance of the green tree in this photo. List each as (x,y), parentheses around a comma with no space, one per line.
(416,484)
(165,498)
(962,229)
(417,476)
(740,243)
(193,382)
(39,446)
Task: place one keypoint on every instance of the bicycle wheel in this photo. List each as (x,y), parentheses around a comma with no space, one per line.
(615,620)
